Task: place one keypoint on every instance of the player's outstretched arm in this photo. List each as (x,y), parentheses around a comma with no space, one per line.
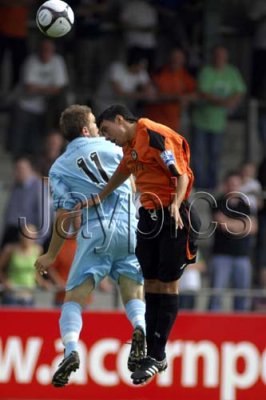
(116,180)
(60,230)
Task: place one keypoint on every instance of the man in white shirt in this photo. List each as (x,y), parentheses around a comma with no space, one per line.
(140,22)
(124,82)
(44,76)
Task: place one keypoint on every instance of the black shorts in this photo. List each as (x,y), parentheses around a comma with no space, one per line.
(162,250)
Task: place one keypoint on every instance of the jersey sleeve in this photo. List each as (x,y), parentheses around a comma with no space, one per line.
(174,157)
(62,196)
(171,154)
(239,84)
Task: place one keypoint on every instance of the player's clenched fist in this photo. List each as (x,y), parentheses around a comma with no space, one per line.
(43,263)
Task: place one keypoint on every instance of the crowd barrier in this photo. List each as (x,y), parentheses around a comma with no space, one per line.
(211,357)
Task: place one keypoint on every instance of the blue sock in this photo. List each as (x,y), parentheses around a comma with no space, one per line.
(135,311)
(70,325)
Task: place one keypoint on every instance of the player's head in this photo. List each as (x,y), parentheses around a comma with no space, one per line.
(77,121)
(117,124)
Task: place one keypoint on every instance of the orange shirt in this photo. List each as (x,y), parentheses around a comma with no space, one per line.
(150,156)
(170,82)
(13,21)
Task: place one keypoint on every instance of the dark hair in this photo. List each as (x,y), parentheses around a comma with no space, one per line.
(135,56)
(117,109)
(24,157)
(231,174)
(72,120)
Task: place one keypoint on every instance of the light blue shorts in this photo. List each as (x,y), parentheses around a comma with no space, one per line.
(105,251)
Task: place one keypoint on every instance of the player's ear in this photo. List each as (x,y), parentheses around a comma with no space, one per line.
(119,119)
(85,131)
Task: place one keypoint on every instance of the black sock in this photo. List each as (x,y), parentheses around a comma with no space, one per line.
(166,317)
(153,302)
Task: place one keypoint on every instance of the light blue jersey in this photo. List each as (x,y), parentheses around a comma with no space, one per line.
(106,240)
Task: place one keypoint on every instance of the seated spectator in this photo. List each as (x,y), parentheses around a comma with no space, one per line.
(190,283)
(52,148)
(176,88)
(127,83)
(43,80)
(17,273)
(230,263)
(28,198)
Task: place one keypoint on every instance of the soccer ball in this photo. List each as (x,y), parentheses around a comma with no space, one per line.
(55,18)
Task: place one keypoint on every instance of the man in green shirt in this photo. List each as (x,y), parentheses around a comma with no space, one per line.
(220,87)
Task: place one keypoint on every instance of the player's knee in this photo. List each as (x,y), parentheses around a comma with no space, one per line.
(152,285)
(130,289)
(81,293)
(75,297)
(169,287)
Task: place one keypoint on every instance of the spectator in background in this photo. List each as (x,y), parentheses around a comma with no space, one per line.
(52,148)
(28,198)
(90,43)
(176,88)
(251,186)
(127,82)
(220,87)
(43,81)
(230,263)
(180,22)
(139,20)
(17,273)
(13,33)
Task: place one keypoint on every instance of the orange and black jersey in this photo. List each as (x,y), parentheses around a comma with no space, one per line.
(155,156)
